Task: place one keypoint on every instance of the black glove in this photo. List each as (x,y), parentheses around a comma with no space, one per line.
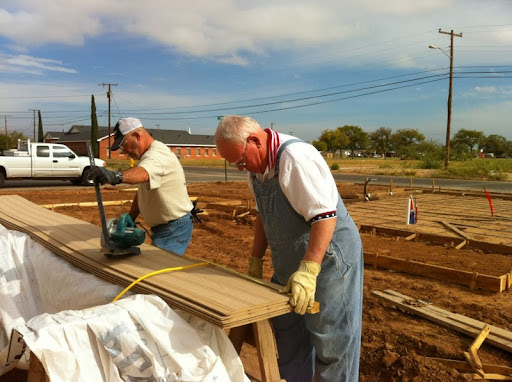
(196,211)
(102,176)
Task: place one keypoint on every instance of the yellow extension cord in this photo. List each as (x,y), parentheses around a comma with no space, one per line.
(165,270)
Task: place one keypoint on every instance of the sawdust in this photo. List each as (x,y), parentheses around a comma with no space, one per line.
(395,345)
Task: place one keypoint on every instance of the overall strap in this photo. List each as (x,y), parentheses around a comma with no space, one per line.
(280,151)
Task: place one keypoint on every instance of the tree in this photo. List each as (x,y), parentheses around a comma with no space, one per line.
(496,144)
(40,137)
(11,141)
(334,140)
(319,145)
(404,141)
(94,129)
(469,138)
(381,140)
(357,138)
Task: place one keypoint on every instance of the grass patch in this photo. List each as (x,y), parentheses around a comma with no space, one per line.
(486,169)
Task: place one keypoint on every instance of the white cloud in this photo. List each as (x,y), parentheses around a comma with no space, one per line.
(233,31)
(31,65)
(485,89)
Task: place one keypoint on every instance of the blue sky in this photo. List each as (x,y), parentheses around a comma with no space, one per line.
(302,66)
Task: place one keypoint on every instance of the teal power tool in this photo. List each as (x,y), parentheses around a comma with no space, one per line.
(123,234)
(119,237)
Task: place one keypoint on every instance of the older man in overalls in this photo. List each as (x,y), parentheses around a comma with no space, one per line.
(316,249)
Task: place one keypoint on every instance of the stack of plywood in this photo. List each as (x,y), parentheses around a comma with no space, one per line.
(210,292)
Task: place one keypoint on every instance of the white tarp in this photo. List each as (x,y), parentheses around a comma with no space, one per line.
(65,317)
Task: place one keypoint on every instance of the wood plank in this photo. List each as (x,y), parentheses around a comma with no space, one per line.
(465,366)
(209,292)
(267,351)
(491,283)
(456,230)
(404,303)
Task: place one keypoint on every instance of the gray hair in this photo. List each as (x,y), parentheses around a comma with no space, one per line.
(236,128)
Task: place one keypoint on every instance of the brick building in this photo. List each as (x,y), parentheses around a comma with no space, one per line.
(181,142)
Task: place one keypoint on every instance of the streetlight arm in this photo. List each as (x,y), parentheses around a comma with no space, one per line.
(442,50)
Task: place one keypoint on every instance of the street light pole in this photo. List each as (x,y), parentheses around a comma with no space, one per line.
(450,88)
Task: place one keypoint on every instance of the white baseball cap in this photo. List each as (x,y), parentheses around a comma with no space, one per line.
(123,127)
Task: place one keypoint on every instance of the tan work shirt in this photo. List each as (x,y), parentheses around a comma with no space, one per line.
(164,197)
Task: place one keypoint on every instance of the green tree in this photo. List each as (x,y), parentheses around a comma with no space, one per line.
(404,141)
(319,145)
(468,138)
(380,140)
(40,137)
(94,129)
(334,140)
(496,144)
(11,141)
(357,138)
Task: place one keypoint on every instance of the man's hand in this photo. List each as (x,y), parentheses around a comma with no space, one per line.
(102,176)
(302,285)
(256,267)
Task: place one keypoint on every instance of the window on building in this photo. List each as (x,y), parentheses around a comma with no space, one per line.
(206,152)
(198,152)
(214,152)
(178,152)
(43,151)
(189,151)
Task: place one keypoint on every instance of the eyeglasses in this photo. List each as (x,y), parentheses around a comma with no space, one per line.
(241,162)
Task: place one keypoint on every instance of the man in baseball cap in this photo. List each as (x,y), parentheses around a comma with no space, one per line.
(123,127)
(162,198)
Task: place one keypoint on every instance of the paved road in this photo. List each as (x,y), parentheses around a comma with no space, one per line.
(207,174)
(201,174)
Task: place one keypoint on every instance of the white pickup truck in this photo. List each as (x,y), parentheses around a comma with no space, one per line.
(45,161)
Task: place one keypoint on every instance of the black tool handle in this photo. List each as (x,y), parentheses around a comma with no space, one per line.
(99,199)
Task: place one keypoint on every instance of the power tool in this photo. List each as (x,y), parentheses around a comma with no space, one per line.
(123,235)
(119,237)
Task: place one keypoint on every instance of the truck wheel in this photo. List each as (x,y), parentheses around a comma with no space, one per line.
(2,179)
(85,180)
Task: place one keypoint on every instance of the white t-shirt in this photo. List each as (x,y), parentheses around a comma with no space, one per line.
(304,177)
(164,197)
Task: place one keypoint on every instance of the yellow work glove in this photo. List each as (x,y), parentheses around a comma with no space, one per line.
(302,285)
(256,267)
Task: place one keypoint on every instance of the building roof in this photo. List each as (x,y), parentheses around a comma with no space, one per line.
(81,133)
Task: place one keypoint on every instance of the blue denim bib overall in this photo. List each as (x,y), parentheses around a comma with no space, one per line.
(326,344)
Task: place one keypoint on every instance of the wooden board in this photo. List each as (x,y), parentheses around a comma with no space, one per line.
(480,281)
(210,292)
(498,337)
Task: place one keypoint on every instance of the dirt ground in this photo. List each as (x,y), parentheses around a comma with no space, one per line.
(395,346)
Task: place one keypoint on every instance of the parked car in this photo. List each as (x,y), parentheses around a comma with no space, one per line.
(45,161)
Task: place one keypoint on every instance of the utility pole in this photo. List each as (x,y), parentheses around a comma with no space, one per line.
(109,132)
(34,110)
(5,126)
(158,126)
(449,118)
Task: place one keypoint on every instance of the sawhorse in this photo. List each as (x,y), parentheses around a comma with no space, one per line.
(261,335)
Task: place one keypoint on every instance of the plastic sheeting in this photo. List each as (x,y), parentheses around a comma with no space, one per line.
(65,317)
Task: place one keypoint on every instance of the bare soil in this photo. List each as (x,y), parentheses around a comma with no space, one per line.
(395,346)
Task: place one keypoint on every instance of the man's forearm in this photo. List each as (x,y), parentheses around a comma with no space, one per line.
(259,245)
(135,175)
(319,239)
